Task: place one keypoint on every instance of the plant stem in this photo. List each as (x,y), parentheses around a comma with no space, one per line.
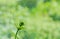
(16,34)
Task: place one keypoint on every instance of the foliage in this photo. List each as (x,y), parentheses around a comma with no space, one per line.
(42,22)
(28,3)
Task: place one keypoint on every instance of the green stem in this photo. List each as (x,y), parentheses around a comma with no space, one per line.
(16,34)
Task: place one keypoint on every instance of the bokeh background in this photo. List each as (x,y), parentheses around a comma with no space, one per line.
(41,19)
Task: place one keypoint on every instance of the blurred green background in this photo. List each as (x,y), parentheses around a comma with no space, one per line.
(41,19)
